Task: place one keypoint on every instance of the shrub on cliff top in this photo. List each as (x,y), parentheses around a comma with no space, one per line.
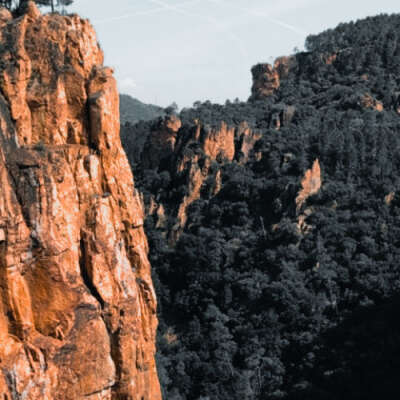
(16,5)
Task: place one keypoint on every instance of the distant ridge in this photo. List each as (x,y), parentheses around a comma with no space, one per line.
(133,110)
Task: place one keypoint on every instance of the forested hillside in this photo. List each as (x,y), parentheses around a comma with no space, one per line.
(132,110)
(274,227)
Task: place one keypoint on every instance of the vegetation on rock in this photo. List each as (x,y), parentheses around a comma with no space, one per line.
(260,299)
(19,4)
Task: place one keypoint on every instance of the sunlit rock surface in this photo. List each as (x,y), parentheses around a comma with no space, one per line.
(77,305)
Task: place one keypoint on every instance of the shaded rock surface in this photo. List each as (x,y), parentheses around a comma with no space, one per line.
(77,305)
(192,155)
(267,78)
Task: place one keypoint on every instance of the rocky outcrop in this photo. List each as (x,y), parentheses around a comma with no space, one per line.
(360,102)
(246,139)
(329,58)
(281,116)
(219,143)
(165,141)
(77,305)
(310,184)
(369,102)
(192,155)
(197,173)
(265,81)
(267,78)
(389,198)
(161,141)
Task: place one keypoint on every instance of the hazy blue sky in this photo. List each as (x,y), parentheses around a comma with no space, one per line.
(187,50)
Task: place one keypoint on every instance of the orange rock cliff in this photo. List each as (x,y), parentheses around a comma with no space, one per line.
(77,305)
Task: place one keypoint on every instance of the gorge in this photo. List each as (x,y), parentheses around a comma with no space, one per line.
(253,244)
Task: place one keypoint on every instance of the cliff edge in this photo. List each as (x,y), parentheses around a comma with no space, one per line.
(77,305)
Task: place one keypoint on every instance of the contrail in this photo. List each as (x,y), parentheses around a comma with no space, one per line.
(210,20)
(264,15)
(142,13)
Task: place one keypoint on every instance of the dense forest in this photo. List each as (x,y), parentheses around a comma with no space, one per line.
(261,297)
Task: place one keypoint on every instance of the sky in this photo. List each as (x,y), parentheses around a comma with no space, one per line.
(165,51)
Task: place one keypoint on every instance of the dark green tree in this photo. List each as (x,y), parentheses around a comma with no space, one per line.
(15,5)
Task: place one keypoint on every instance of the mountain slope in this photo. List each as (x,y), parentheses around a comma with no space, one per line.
(273,227)
(132,110)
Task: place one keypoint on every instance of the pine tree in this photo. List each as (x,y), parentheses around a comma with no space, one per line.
(18,4)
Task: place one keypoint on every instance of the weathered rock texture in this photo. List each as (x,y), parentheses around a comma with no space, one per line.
(310,184)
(77,305)
(266,81)
(267,78)
(161,142)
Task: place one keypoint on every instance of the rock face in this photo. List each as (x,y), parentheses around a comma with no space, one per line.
(219,142)
(77,305)
(310,184)
(192,156)
(161,141)
(265,81)
(267,78)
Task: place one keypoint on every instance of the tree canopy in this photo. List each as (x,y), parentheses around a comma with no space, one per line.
(53,4)
(251,305)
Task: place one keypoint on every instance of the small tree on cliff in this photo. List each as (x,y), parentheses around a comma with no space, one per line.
(53,4)
(60,4)
(10,4)
(63,3)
